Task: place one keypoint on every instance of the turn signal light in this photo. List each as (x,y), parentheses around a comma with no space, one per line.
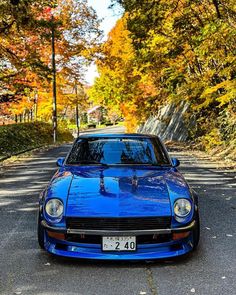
(178,236)
(57,236)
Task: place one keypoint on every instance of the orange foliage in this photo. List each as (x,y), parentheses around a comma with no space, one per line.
(26,51)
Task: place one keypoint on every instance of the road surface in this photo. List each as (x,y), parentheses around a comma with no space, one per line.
(25,269)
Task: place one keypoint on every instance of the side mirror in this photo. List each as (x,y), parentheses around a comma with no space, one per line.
(175,162)
(60,162)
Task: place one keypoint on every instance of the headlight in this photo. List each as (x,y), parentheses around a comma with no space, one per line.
(182,207)
(54,208)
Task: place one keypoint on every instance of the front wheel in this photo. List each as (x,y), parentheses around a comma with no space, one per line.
(41,232)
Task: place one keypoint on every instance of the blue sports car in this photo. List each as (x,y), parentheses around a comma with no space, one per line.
(118,197)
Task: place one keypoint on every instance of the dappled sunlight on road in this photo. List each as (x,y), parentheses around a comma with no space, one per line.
(20,182)
(199,172)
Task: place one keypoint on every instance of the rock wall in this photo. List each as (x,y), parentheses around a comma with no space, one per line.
(169,123)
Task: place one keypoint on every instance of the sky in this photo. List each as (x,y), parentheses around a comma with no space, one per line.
(109,20)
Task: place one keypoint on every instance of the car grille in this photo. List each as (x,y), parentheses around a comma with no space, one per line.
(119,224)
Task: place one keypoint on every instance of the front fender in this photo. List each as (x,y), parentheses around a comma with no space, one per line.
(58,188)
(178,188)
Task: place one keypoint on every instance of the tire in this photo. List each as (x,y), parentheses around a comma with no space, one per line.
(196,232)
(41,232)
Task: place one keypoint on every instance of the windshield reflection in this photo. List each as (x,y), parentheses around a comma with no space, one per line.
(117,151)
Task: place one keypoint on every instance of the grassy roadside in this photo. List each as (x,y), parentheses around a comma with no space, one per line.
(19,138)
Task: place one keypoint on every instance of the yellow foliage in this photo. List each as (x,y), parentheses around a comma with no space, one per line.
(212,139)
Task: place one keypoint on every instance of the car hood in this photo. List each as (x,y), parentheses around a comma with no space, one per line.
(120,192)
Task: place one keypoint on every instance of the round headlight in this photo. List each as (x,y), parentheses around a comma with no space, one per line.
(54,208)
(182,207)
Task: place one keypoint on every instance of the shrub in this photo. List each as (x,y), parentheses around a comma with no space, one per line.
(17,138)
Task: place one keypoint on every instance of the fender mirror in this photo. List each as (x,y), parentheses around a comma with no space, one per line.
(60,162)
(175,162)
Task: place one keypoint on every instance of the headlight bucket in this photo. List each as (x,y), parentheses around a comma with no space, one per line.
(182,208)
(54,208)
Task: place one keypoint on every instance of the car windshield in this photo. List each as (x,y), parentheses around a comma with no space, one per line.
(118,151)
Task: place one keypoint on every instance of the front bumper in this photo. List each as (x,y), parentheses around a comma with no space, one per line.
(188,227)
(157,250)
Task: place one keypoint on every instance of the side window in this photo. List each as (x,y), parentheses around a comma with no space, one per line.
(78,152)
(160,153)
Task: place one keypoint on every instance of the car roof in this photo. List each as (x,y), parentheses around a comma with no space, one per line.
(118,135)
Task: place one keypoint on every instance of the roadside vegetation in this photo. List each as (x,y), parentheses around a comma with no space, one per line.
(27,31)
(163,52)
(18,138)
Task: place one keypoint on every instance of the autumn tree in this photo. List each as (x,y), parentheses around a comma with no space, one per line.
(185,50)
(120,86)
(25,47)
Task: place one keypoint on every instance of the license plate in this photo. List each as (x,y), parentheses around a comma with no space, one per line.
(118,243)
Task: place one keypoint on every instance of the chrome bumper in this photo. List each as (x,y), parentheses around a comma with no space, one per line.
(189,227)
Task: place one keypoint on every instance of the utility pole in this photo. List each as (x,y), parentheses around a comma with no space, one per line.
(35,105)
(77,109)
(54,114)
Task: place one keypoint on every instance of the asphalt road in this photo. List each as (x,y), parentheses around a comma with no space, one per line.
(25,269)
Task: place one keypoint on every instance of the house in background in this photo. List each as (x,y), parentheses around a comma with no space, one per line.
(95,115)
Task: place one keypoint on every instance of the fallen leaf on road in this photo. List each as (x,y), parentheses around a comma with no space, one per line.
(47,264)
(192,290)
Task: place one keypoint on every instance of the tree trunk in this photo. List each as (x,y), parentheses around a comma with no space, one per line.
(216,4)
